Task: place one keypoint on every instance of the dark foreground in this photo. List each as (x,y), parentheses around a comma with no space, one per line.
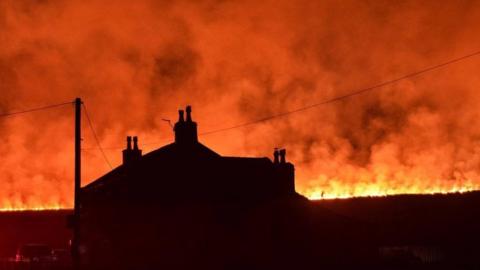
(420,231)
(407,232)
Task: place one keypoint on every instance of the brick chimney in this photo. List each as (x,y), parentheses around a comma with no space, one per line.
(285,172)
(185,130)
(130,154)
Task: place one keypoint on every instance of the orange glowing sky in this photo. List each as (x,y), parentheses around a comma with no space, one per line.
(135,63)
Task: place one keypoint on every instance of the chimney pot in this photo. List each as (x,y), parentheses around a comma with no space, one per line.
(189,113)
(180,116)
(129,143)
(135,143)
(282,152)
(275,156)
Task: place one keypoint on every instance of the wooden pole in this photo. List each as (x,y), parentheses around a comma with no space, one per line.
(76,209)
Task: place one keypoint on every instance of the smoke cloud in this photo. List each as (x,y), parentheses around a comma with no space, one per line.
(135,63)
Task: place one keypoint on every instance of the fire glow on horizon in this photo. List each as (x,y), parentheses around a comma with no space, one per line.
(313,194)
(136,62)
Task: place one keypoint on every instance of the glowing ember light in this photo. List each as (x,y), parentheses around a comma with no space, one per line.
(18,208)
(311,193)
(316,193)
(238,61)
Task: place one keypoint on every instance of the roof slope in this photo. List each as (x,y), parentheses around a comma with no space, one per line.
(170,151)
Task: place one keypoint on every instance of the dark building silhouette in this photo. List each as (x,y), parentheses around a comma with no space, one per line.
(183,206)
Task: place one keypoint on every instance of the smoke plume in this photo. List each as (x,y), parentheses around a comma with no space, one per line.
(135,63)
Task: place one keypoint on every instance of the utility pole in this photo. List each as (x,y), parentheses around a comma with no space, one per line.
(76,209)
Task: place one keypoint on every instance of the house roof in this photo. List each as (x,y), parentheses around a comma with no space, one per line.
(189,166)
(175,151)
(197,150)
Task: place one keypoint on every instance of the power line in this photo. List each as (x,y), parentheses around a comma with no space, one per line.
(95,136)
(335,99)
(339,98)
(7,114)
(35,109)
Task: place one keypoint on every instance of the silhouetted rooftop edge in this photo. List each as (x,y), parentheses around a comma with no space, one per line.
(186,144)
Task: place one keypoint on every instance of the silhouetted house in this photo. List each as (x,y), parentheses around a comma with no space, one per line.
(183,206)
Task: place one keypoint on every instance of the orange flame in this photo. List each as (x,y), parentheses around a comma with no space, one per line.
(372,191)
(40,207)
(135,62)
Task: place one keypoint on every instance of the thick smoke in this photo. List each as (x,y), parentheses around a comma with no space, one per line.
(136,62)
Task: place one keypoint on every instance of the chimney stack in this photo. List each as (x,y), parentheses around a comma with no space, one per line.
(285,173)
(130,154)
(185,131)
